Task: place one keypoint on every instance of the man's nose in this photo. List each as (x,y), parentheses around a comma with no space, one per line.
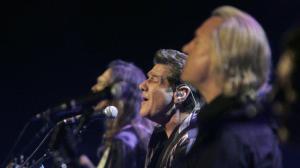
(143,86)
(186,47)
(95,88)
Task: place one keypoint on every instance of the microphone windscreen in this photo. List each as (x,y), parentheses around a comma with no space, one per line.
(111,112)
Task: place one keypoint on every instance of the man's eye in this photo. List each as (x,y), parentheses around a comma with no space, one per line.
(153,79)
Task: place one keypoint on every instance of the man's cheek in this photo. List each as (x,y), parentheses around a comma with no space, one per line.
(163,95)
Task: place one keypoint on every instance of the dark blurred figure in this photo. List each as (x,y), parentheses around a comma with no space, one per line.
(287,98)
(126,137)
(229,63)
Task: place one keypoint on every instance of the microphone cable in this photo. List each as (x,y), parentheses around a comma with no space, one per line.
(38,147)
(16,142)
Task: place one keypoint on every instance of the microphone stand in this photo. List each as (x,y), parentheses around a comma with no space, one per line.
(37,148)
(41,131)
(86,116)
(11,152)
(46,127)
(61,129)
(63,147)
(39,162)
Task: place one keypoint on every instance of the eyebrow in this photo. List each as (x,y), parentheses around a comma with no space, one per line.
(151,74)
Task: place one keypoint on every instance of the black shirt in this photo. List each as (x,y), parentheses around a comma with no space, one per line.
(167,152)
(234,133)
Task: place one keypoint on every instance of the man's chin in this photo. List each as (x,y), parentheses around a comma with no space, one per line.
(147,114)
(184,77)
(188,79)
(144,113)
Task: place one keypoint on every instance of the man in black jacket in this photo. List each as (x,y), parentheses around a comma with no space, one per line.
(172,105)
(229,63)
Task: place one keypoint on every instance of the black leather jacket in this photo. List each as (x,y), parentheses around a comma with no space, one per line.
(166,152)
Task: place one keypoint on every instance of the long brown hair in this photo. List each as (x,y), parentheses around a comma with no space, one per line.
(125,77)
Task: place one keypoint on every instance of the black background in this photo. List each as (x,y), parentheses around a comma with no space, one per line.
(53,50)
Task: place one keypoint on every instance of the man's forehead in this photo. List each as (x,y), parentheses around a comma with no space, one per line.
(209,25)
(105,75)
(160,69)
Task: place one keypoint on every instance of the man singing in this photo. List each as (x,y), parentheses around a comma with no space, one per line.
(172,105)
(229,63)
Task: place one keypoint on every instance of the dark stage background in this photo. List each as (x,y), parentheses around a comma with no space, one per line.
(53,50)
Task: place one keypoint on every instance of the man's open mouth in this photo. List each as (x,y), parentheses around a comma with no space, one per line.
(145,99)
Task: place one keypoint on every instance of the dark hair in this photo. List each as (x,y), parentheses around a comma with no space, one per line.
(126,77)
(125,71)
(175,60)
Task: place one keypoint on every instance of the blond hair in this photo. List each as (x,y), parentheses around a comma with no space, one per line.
(242,52)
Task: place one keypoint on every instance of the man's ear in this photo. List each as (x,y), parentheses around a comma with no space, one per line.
(181,94)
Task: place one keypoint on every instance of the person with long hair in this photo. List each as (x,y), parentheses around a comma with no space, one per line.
(229,63)
(126,137)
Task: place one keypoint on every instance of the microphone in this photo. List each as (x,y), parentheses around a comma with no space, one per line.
(68,137)
(109,112)
(76,105)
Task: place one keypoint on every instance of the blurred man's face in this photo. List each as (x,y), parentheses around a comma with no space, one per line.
(157,94)
(199,66)
(285,68)
(102,81)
